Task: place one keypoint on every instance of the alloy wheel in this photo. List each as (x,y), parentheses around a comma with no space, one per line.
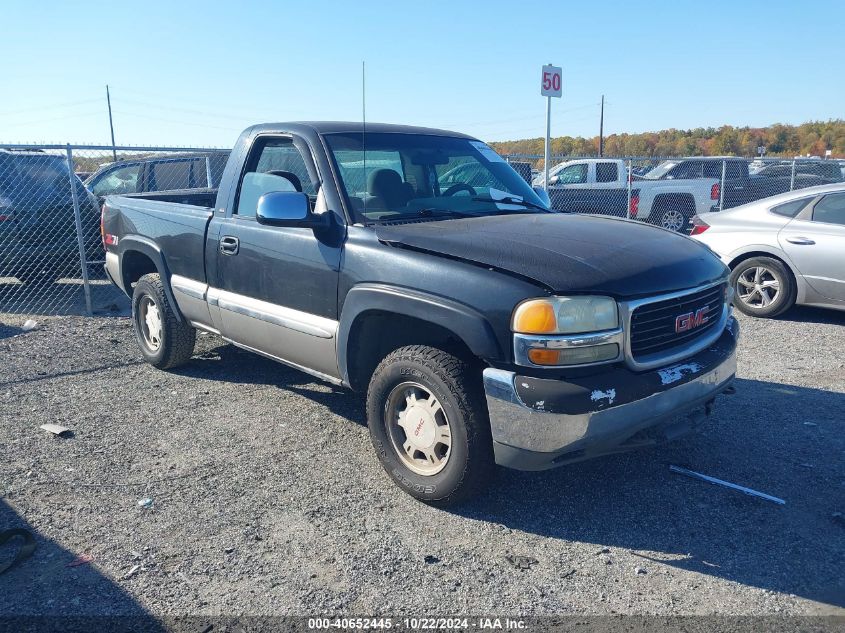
(757,287)
(673,220)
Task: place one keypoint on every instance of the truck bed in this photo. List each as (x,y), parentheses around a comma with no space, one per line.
(175,221)
(193,197)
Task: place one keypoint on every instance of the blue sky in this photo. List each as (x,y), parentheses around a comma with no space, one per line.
(196,73)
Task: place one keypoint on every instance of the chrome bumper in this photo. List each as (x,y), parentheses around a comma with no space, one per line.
(530,437)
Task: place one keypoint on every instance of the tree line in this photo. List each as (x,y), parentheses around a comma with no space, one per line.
(812,138)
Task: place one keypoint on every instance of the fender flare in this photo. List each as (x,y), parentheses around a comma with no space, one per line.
(677,195)
(464,321)
(151,250)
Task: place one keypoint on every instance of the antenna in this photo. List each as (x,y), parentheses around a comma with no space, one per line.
(111,125)
(364,125)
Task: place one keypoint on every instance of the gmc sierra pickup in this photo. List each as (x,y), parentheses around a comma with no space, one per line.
(482,327)
(602,185)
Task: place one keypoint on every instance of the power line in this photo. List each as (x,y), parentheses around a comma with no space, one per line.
(58,118)
(176,122)
(51,106)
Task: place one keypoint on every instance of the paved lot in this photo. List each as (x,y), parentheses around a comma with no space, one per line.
(267,498)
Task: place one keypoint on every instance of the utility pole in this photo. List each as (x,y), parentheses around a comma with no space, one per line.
(601,129)
(111,124)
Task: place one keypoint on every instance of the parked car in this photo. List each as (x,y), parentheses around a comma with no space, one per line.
(600,185)
(825,169)
(482,327)
(38,235)
(783,250)
(159,173)
(773,179)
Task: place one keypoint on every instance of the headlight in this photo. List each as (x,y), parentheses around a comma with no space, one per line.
(565,315)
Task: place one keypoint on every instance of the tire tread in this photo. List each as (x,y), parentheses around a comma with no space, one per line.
(179,337)
(457,374)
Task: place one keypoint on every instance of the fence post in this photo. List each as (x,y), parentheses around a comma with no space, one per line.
(630,178)
(722,187)
(80,240)
(792,178)
(208,171)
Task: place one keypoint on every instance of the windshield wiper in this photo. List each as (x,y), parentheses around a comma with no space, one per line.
(434,212)
(513,201)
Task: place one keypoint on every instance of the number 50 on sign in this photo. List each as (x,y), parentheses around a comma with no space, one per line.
(552,82)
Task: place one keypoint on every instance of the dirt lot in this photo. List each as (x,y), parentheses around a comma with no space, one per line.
(267,498)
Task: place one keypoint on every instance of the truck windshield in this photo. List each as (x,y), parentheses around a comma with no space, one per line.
(388,177)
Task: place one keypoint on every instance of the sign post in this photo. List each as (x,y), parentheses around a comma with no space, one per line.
(551,85)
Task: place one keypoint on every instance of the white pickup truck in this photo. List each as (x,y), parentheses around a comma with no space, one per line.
(600,185)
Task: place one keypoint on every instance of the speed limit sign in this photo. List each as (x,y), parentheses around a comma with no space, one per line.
(551,84)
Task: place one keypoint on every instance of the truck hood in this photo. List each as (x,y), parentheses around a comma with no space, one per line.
(568,253)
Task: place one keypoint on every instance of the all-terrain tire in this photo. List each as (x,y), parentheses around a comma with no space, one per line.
(177,338)
(457,387)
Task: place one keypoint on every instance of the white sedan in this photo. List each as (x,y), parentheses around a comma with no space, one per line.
(782,250)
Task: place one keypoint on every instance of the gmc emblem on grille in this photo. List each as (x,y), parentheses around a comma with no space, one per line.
(691,320)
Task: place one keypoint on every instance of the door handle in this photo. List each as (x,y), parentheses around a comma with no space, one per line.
(802,241)
(229,245)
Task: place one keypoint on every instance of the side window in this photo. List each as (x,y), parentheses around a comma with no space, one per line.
(713,169)
(606,172)
(830,209)
(171,174)
(120,180)
(687,169)
(275,164)
(199,175)
(791,209)
(573,175)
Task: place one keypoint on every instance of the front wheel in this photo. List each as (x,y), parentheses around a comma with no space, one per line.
(164,339)
(763,287)
(428,424)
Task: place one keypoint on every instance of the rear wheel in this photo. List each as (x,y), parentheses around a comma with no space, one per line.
(763,287)
(672,213)
(164,339)
(427,419)
(673,220)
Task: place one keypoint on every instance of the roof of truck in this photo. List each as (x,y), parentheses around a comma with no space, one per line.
(338,127)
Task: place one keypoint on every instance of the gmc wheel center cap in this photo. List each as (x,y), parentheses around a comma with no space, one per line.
(420,427)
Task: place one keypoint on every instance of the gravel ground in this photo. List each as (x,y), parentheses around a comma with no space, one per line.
(267,498)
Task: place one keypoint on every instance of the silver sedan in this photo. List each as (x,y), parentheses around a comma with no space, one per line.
(782,250)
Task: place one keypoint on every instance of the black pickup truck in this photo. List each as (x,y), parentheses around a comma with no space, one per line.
(482,327)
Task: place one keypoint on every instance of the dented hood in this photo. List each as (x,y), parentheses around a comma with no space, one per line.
(568,253)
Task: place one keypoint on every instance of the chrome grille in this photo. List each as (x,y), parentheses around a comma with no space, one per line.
(652,325)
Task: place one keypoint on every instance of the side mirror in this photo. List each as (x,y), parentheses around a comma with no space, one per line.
(554,180)
(544,196)
(287,208)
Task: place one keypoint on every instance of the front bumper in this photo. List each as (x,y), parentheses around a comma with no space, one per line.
(539,423)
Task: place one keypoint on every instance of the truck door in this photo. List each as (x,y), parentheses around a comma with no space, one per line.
(815,242)
(276,287)
(571,188)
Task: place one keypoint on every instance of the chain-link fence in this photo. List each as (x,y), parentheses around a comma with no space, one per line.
(51,255)
(670,191)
